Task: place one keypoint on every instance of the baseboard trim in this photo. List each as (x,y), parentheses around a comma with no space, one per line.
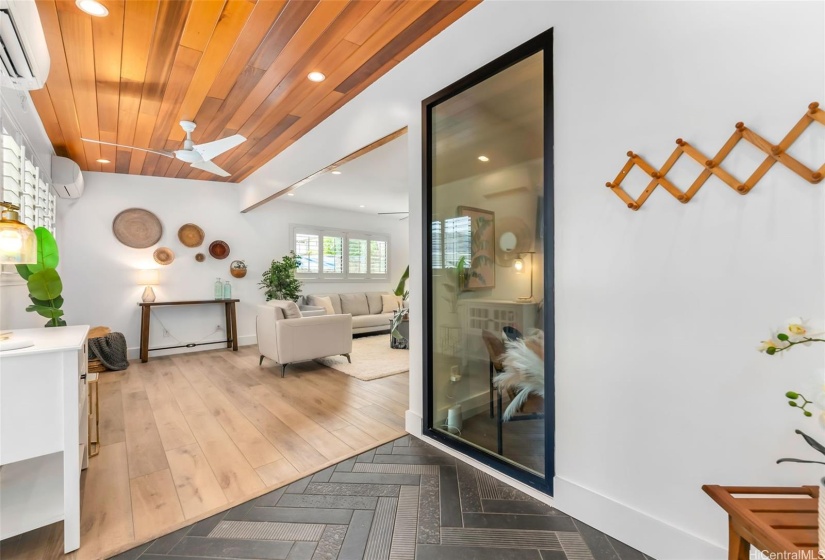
(133,353)
(652,536)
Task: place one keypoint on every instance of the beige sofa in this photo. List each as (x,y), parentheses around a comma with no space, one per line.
(301,339)
(366,309)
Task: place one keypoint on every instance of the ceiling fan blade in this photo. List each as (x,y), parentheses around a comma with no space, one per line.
(167,154)
(216,148)
(211,168)
(386,213)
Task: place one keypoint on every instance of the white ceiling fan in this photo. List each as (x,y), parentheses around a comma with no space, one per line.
(391,213)
(198,156)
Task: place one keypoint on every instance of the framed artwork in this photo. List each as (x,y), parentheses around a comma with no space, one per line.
(481,273)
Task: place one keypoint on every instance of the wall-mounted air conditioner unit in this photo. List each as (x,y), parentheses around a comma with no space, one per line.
(67,180)
(24,56)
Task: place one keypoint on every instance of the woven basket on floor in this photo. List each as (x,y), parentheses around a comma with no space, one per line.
(96,366)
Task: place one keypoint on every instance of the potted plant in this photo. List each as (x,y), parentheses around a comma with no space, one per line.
(279,282)
(43,281)
(799,332)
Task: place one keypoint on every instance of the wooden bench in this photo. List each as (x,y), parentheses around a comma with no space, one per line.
(772,519)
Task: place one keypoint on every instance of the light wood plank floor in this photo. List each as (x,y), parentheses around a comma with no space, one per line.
(186,436)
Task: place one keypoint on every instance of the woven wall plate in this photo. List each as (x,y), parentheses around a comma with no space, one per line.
(137,228)
(190,235)
(200,257)
(164,255)
(219,249)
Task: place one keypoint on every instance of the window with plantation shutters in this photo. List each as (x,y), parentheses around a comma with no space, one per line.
(340,255)
(25,186)
(436,230)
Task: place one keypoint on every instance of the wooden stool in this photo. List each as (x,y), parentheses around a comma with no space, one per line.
(769,518)
(95,368)
(94,415)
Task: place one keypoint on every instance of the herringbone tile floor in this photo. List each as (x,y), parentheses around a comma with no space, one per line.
(405,500)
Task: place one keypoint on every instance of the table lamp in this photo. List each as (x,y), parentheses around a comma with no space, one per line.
(148,278)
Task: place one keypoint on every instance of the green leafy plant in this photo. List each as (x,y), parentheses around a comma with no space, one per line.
(43,281)
(401,289)
(457,284)
(279,282)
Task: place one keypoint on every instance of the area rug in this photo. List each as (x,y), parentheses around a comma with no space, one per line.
(372,358)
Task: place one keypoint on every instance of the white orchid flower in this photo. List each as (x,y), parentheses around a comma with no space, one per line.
(800,329)
(765,344)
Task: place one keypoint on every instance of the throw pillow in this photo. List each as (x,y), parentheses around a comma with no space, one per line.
(390,303)
(355,304)
(322,301)
(291,310)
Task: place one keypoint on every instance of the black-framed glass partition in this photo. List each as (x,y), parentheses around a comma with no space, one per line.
(488,238)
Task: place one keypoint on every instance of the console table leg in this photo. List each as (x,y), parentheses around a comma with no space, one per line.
(738,548)
(227,307)
(144,333)
(234,327)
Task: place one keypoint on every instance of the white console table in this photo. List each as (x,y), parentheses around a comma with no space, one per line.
(43,431)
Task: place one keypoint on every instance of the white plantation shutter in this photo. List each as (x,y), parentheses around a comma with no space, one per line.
(457,241)
(25,186)
(378,257)
(358,257)
(436,231)
(348,255)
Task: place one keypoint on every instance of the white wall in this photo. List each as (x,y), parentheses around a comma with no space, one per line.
(658,311)
(99,273)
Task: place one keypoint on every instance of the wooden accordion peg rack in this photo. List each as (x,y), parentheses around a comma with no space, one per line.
(712,166)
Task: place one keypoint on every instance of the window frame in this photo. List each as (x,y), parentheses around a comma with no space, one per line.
(346,235)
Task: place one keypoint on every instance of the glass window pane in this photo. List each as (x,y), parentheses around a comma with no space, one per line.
(333,255)
(306,247)
(486,279)
(357,259)
(378,257)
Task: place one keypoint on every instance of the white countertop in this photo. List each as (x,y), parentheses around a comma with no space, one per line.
(53,339)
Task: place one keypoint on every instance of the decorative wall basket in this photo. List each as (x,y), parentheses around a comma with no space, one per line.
(219,249)
(190,235)
(200,257)
(137,228)
(237,269)
(164,255)
(712,166)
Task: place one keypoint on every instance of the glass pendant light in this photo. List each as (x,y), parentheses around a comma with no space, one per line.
(18,244)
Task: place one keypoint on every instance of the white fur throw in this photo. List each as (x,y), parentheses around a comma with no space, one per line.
(523,371)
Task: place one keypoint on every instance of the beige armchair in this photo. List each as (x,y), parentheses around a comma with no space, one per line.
(298,340)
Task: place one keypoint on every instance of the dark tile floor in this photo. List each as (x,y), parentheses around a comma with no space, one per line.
(405,500)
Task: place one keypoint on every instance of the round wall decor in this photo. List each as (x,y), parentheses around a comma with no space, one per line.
(200,257)
(219,249)
(164,255)
(190,235)
(137,228)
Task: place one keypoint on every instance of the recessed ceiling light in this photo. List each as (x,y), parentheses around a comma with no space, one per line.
(316,77)
(361,206)
(103,161)
(92,7)
(290,194)
(336,172)
(483,158)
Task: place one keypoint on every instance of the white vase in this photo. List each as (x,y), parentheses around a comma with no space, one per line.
(821,516)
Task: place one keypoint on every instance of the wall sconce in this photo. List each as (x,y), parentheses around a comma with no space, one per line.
(519,266)
(149,277)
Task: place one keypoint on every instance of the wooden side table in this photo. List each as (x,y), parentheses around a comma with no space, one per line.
(146,316)
(772,519)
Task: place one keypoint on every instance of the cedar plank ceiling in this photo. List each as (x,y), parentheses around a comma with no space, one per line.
(232,66)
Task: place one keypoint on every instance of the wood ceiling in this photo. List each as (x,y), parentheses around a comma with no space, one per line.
(232,66)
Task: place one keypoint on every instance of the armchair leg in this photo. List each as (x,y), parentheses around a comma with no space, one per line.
(347,357)
(261,361)
(283,369)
